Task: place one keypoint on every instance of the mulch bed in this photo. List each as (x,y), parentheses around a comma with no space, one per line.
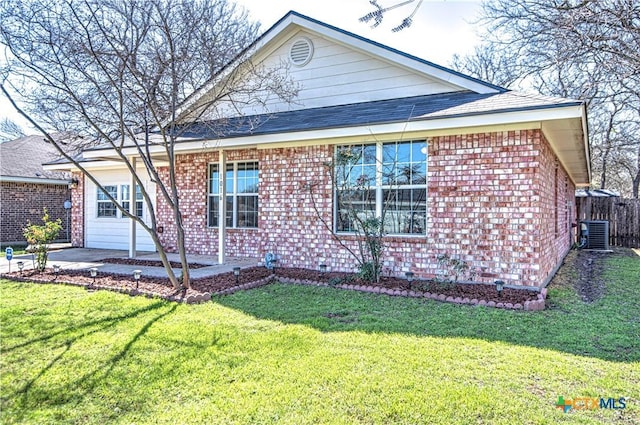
(226,283)
(471,291)
(150,263)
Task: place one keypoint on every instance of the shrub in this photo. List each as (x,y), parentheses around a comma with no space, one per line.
(40,236)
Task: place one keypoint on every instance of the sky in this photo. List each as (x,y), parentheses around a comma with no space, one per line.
(440,28)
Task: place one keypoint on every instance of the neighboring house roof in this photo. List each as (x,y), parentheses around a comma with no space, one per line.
(596,193)
(21,161)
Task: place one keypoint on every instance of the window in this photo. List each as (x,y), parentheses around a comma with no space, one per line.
(124,196)
(242,194)
(106,208)
(382,180)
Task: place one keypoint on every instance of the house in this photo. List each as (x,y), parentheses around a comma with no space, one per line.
(493,180)
(26,188)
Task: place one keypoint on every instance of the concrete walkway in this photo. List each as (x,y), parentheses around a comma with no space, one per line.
(86,258)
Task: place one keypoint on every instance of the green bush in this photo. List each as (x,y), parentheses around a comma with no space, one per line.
(40,236)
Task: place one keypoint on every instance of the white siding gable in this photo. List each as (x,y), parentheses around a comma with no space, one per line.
(336,75)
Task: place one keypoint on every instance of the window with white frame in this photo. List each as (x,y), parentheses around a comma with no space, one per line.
(382,180)
(106,208)
(125,196)
(242,194)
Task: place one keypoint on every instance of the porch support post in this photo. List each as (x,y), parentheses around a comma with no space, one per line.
(132,210)
(222,210)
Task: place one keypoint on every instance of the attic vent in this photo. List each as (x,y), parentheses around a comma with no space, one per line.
(301,51)
(598,236)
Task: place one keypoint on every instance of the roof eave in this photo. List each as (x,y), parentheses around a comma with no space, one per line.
(34,180)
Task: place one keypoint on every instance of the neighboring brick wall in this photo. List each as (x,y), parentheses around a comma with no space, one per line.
(490,202)
(21,203)
(77,208)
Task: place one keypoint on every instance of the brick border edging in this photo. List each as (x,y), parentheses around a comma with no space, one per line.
(190,299)
(537,305)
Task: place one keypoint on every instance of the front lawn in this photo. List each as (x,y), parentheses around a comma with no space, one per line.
(294,354)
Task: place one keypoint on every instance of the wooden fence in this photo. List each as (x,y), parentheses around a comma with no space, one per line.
(623,216)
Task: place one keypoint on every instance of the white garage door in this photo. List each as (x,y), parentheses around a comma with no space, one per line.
(104,225)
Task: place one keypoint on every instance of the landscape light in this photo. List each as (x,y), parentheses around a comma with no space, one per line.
(409,276)
(136,276)
(56,270)
(20,266)
(323,269)
(94,272)
(499,286)
(236,273)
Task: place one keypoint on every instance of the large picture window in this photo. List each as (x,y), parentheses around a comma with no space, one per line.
(386,180)
(242,194)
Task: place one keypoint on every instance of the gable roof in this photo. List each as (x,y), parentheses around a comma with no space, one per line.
(467,105)
(22,161)
(294,21)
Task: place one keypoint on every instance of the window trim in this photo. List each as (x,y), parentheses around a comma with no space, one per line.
(234,195)
(137,201)
(106,201)
(119,197)
(380,188)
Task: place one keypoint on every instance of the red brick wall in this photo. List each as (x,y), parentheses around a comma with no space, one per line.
(557,201)
(491,202)
(77,205)
(192,182)
(21,203)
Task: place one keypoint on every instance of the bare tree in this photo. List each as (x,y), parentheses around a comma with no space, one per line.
(115,73)
(578,49)
(379,12)
(9,130)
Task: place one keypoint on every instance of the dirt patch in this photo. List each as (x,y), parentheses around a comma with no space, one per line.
(583,270)
(149,263)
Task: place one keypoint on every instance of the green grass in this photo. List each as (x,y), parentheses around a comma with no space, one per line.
(292,354)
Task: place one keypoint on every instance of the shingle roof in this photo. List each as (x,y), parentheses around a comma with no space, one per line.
(456,104)
(24,157)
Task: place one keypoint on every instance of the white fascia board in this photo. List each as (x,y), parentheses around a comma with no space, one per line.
(92,165)
(587,150)
(35,180)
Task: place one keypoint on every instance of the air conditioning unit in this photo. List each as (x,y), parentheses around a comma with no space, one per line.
(597,234)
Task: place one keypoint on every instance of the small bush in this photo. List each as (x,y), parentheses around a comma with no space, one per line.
(40,236)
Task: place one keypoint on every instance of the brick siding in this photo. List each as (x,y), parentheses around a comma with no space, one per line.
(494,200)
(77,205)
(21,203)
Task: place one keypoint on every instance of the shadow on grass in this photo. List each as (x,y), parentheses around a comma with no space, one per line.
(108,321)
(85,384)
(605,329)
